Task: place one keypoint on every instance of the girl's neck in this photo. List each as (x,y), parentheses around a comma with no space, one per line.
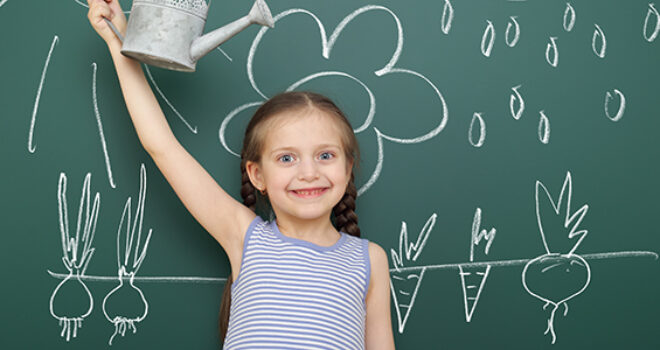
(319,231)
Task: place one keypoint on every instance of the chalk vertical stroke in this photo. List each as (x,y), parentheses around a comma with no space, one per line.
(651,12)
(31,146)
(544,128)
(598,34)
(487,39)
(193,129)
(124,318)
(551,48)
(447,17)
(379,165)
(70,317)
(473,277)
(513,23)
(482,130)
(622,105)
(108,168)
(515,96)
(403,292)
(569,17)
(551,260)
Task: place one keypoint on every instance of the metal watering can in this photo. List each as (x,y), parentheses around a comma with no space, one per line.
(168,33)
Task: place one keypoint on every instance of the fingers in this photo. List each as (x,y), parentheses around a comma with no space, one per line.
(97,10)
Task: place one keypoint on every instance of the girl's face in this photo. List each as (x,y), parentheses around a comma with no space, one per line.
(303,167)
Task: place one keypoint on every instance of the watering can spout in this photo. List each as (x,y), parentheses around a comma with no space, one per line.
(259,14)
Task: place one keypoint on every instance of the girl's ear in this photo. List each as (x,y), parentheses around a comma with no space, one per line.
(254,173)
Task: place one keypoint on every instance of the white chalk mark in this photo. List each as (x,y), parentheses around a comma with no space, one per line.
(400,282)
(487,39)
(622,105)
(479,234)
(515,96)
(379,164)
(127,269)
(652,13)
(193,129)
(31,146)
(513,23)
(445,111)
(447,17)
(598,34)
(225,54)
(372,99)
(470,298)
(564,258)
(569,17)
(544,128)
(108,168)
(476,118)
(452,266)
(327,44)
(228,118)
(406,248)
(2,2)
(70,317)
(551,51)
(571,218)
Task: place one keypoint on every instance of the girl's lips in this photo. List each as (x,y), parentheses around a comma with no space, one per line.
(309,192)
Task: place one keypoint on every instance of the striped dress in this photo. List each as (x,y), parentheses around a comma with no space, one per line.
(293,294)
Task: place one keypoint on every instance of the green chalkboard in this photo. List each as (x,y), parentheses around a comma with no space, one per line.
(518,139)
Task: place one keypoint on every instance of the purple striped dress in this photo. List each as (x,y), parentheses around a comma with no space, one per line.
(293,294)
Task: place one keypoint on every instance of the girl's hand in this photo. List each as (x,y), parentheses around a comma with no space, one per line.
(110,9)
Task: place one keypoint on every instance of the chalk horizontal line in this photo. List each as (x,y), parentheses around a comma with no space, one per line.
(514,262)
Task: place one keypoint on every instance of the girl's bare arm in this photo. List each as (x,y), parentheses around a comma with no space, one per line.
(222,216)
(378,328)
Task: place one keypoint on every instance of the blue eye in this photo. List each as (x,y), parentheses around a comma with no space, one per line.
(287,158)
(326,155)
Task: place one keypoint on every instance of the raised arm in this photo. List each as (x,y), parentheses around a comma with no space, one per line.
(222,216)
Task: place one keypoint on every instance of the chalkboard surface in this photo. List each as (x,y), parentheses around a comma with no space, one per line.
(510,167)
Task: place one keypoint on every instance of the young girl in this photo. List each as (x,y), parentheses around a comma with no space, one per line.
(298,282)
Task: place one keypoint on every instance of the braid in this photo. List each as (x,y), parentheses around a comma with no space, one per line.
(346,219)
(247,189)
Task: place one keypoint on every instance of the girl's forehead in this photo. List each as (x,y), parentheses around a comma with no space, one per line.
(307,127)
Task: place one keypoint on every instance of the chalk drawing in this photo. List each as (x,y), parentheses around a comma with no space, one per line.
(476,118)
(126,291)
(2,2)
(544,128)
(569,17)
(193,129)
(513,23)
(598,37)
(108,168)
(557,266)
(31,146)
(473,279)
(622,105)
(327,43)
(404,286)
(651,15)
(447,17)
(487,39)
(515,97)
(76,254)
(225,54)
(551,51)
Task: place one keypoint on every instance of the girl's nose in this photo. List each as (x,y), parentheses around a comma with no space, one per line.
(308,171)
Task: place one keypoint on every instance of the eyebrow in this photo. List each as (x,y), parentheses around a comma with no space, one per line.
(288,148)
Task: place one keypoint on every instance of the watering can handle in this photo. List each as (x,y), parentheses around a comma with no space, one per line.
(114,29)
